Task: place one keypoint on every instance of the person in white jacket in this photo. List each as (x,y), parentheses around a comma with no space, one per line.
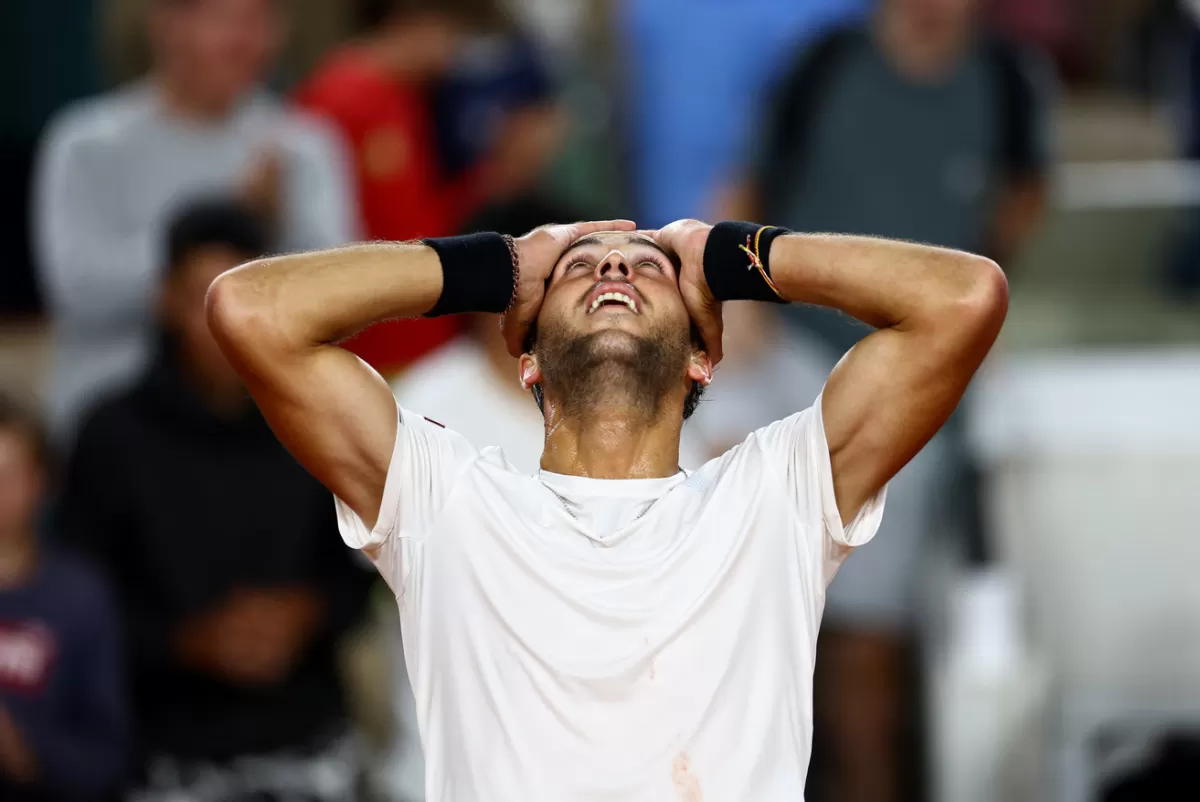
(113,168)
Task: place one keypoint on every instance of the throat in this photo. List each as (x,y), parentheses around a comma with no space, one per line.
(610,445)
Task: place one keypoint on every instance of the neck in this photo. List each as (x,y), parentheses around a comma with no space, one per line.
(18,556)
(610,441)
(916,56)
(182,100)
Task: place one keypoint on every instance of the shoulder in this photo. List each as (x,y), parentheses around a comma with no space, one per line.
(341,81)
(1019,68)
(418,428)
(817,53)
(99,121)
(1023,87)
(297,128)
(775,450)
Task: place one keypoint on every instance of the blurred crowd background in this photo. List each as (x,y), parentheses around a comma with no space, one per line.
(178,618)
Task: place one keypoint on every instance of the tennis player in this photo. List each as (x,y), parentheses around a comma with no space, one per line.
(611,628)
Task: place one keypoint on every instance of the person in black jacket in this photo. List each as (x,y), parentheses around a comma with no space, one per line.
(62,695)
(233,581)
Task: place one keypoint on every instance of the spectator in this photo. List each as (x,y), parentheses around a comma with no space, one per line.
(222,548)
(62,703)
(379,91)
(961,163)
(112,167)
(964,161)
(500,92)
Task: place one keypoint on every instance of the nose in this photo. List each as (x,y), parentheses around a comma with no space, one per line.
(613,267)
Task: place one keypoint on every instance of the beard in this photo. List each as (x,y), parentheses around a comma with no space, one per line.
(585,371)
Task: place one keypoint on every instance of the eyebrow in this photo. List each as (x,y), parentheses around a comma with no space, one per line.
(631,239)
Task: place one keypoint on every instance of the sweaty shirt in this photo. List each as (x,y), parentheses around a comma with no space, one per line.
(663,650)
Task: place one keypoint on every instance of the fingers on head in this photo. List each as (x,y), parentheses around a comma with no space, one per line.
(606,225)
(712,334)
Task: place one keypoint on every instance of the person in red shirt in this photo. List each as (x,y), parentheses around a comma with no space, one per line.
(378,92)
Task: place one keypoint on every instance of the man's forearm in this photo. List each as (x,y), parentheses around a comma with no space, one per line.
(884,283)
(324,296)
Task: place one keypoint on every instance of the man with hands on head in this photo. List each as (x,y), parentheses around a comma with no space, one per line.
(611,628)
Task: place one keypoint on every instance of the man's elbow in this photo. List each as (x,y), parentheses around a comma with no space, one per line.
(982,301)
(238,314)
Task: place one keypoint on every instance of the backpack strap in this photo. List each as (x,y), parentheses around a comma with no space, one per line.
(1019,148)
(794,104)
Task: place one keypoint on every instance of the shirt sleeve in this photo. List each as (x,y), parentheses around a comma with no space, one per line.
(93,263)
(1028,83)
(321,207)
(796,446)
(781,138)
(426,461)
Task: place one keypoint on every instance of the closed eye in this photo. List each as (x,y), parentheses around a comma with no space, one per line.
(660,265)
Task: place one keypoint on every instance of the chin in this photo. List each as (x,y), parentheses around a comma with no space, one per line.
(609,348)
(614,342)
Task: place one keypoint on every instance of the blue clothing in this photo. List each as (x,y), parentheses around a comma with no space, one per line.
(699,68)
(62,683)
(496,78)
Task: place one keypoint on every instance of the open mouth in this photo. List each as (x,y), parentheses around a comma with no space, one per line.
(613,298)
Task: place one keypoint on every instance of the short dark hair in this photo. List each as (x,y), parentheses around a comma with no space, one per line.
(216,221)
(690,401)
(18,417)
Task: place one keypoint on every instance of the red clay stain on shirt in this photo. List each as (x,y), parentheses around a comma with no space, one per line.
(686,784)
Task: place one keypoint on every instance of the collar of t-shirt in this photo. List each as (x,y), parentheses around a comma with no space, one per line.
(604,506)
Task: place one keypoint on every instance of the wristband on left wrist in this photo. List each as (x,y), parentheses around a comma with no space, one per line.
(737,262)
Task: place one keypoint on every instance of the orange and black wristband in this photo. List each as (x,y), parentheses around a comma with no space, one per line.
(737,262)
(479,273)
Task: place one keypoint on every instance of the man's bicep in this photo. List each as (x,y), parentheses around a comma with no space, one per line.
(338,418)
(883,402)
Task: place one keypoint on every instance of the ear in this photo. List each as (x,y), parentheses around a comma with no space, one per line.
(700,368)
(528,371)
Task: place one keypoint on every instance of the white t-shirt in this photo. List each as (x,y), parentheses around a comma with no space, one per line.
(670,658)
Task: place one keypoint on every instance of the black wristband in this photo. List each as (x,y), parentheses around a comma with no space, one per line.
(478,274)
(737,262)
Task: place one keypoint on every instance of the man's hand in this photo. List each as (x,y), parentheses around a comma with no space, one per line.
(16,760)
(538,252)
(686,239)
(255,637)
